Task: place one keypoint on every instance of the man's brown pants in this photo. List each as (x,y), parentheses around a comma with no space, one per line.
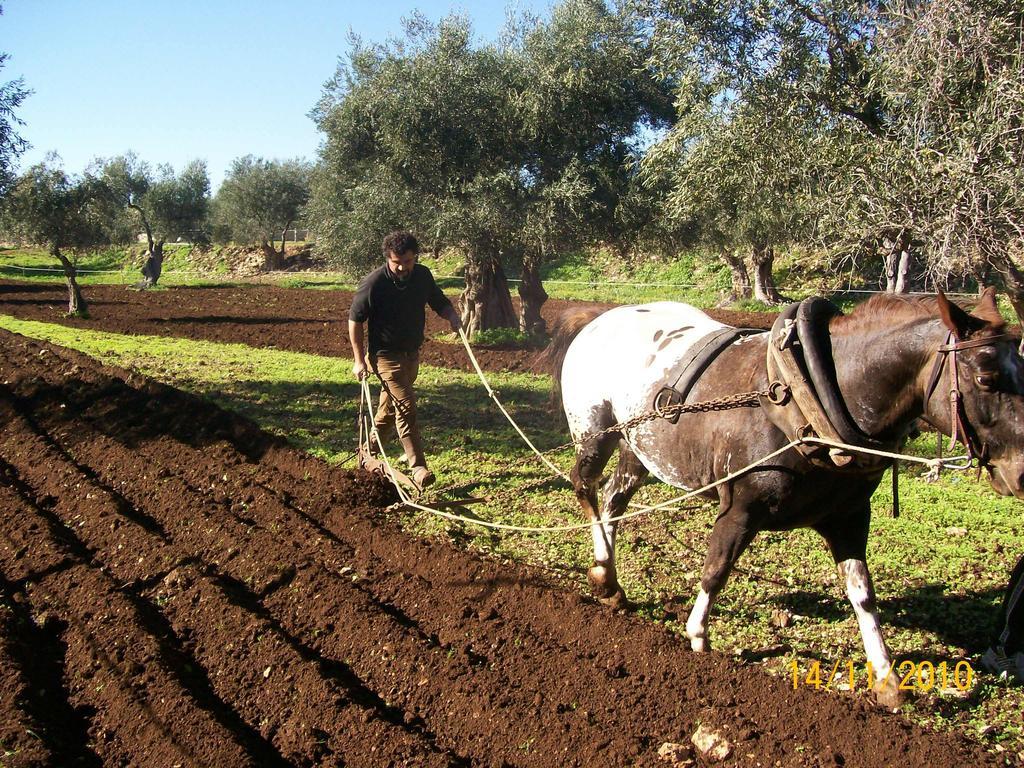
(397,408)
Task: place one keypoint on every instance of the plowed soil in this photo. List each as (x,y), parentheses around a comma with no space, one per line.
(178,588)
(265,316)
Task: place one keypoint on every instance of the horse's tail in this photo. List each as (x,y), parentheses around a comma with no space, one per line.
(566,327)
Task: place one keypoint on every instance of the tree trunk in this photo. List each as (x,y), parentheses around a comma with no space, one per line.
(271,258)
(889,258)
(76,302)
(740,276)
(531,298)
(903,270)
(983,276)
(154,252)
(284,234)
(897,263)
(763,259)
(154,264)
(145,225)
(486,302)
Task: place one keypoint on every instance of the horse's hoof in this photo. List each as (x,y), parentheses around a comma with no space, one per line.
(618,601)
(603,581)
(888,693)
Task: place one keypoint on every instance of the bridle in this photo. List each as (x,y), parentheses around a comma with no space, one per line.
(960,427)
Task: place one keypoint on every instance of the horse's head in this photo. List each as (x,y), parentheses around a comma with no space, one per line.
(982,363)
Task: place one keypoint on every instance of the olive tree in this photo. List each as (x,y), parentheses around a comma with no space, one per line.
(417,137)
(769,93)
(506,151)
(903,123)
(12,144)
(63,213)
(589,92)
(745,182)
(261,200)
(166,205)
(946,178)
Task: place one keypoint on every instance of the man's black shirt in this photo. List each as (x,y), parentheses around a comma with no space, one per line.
(395,311)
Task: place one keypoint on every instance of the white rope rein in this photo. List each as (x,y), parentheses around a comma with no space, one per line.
(643,510)
(494,397)
(962,461)
(934,466)
(372,436)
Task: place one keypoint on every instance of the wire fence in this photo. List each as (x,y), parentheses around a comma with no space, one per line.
(343,277)
(24,270)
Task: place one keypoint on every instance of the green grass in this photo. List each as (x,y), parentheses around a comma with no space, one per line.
(122,266)
(322,282)
(938,587)
(696,276)
(500,337)
(110,266)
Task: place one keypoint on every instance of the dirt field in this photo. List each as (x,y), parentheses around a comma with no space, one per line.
(179,588)
(286,318)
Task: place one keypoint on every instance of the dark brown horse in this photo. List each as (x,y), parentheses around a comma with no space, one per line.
(895,360)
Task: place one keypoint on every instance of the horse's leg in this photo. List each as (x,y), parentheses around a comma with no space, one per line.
(732,533)
(617,492)
(847,538)
(591,458)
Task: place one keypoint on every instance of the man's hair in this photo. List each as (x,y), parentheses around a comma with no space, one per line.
(400,242)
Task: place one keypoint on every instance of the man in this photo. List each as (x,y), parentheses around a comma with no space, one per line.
(391,300)
(1006,655)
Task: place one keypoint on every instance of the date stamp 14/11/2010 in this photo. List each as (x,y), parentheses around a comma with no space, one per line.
(917,676)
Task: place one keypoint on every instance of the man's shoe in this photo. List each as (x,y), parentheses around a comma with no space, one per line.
(422,477)
(1008,666)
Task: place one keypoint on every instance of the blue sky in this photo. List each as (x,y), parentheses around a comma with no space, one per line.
(175,81)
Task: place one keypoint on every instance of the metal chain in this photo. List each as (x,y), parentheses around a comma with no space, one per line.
(728,402)
(741,400)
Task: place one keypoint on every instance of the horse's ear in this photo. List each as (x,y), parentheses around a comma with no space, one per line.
(987,309)
(954,318)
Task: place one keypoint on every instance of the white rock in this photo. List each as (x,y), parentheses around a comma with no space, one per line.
(676,755)
(711,744)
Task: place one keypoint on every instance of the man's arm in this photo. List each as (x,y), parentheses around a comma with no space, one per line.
(356,338)
(449,314)
(440,303)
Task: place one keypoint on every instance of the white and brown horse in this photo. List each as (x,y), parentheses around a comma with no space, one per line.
(892,364)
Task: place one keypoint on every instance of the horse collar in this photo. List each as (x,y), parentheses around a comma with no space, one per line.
(800,359)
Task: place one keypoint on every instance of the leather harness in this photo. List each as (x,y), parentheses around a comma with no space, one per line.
(805,399)
(800,357)
(692,365)
(960,427)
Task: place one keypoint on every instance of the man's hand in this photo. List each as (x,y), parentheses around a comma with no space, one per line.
(355,336)
(453,319)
